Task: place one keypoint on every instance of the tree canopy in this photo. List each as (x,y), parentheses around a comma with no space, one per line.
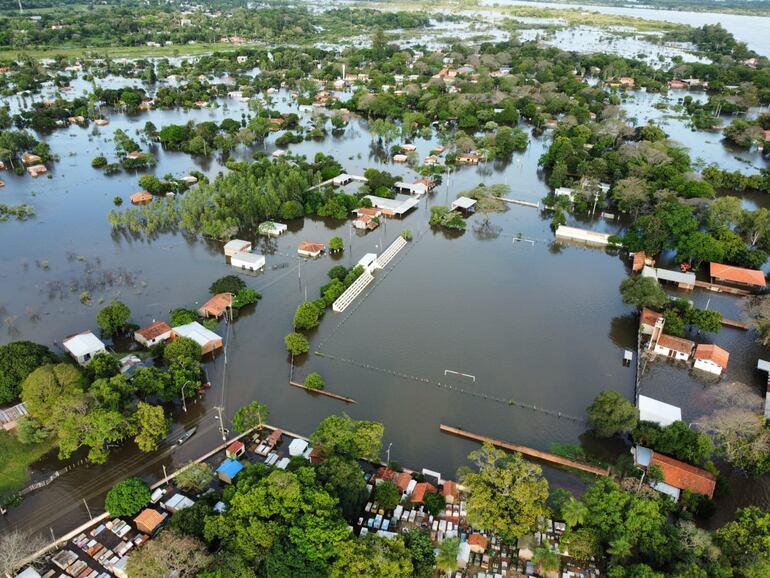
(17,360)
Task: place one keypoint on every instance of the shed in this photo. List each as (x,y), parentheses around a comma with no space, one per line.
(236,246)
(208,340)
(216,306)
(177,502)
(149,520)
(228,470)
(83,346)
(658,412)
(235,450)
(737,275)
(153,334)
(393,207)
(711,358)
(464,203)
(272,229)
(141,197)
(248,261)
(297,447)
(308,249)
(682,280)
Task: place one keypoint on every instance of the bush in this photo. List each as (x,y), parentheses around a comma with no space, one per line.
(128,497)
(315,381)
(195,477)
(307,316)
(337,272)
(99,162)
(30,431)
(296,343)
(117,201)
(182,347)
(387,495)
(406,234)
(227,284)
(183,317)
(246,297)
(104,365)
(336,244)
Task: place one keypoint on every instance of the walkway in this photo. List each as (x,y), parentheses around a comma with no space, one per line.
(387,255)
(722,288)
(545,456)
(352,292)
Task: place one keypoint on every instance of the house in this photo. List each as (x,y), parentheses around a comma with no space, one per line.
(216,306)
(400,158)
(149,520)
(83,346)
(640,260)
(677,84)
(248,261)
(468,159)
(417,189)
(478,543)
(141,197)
(648,321)
(658,412)
(29,158)
(737,275)
(429,184)
(677,475)
(680,279)
(626,82)
(308,249)
(463,203)
(37,170)
(438,149)
(450,491)
(366,222)
(711,358)
(297,447)
(177,502)
(152,334)
(101,122)
(418,494)
(135,155)
(393,207)
(235,450)
(208,340)
(408,148)
(674,347)
(430,160)
(272,229)
(228,470)
(236,246)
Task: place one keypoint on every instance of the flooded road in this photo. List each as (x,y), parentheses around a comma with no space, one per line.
(537,327)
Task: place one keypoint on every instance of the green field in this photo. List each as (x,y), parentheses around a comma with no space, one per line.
(121,51)
(15,458)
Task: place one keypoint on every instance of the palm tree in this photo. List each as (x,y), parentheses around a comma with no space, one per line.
(547,559)
(446,560)
(619,548)
(574,512)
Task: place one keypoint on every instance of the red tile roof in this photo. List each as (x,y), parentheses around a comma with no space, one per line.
(450,489)
(141,197)
(737,274)
(402,481)
(217,305)
(311,247)
(478,540)
(418,495)
(235,447)
(639,258)
(676,343)
(712,353)
(684,476)
(649,317)
(368,211)
(150,332)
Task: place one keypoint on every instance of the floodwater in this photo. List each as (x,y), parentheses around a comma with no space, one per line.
(537,328)
(749,29)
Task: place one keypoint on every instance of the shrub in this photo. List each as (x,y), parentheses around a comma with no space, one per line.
(99,162)
(296,343)
(306,316)
(227,284)
(315,381)
(128,497)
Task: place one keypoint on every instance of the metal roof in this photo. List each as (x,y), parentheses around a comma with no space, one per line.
(400,205)
(197,333)
(82,344)
(657,411)
(463,203)
(669,275)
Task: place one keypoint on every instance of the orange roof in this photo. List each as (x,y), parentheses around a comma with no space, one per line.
(148,520)
(713,353)
(478,540)
(141,197)
(217,305)
(154,330)
(235,447)
(420,490)
(450,489)
(737,274)
(402,481)
(684,476)
(767,135)
(427,182)
(367,211)
(311,247)
(639,258)
(676,343)
(649,317)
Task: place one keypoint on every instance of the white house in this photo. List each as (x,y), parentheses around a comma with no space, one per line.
(153,334)
(83,346)
(674,347)
(658,412)
(236,246)
(208,340)
(272,229)
(711,358)
(248,261)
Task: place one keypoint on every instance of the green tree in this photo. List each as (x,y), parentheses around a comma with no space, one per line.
(574,512)
(387,495)
(169,554)
(128,497)
(227,284)
(151,425)
(307,316)
(583,544)
(104,365)
(51,392)
(336,244)
(704,319)
(610,413)
(17,361)
(30,431)
(314,381)
(182,349)
(446,559)
(113,319)
(296,343)
(250,416)
(342,435)
(420,548)
(546,559)
(642,292)
(372,557)
(746,540)
(99,429)
(194,477)
(724,212)
(343,478)
(183,317)
(500,474)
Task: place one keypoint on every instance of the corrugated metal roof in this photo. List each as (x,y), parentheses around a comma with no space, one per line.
(669,275)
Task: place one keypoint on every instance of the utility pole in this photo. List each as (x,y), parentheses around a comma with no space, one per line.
(184,404)
(87,509)
(389,445)
(220,409)
(165,475)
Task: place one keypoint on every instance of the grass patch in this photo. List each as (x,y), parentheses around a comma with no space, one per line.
(121,51)
(15,458)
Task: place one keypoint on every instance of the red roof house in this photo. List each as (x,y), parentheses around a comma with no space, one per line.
(418,495)
(737,275)
(684,476)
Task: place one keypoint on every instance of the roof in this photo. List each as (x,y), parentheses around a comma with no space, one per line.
(400,205)
(197,333)
(649,317)
(243,257)
(669,275)
(230,468)
(763,365)
(218,304)
(29,573)
(639,258)
(737,274)
(463,202)
(150,332)
(311,247)
(141,197)
(402,481)
(149,519)
(684,476)
(676,343)
(368,211)
(297,447)
(83,343)
(420,490)
(478,540)
(237,245)
(712,353)
(657,411)
(235,447)
(449,489)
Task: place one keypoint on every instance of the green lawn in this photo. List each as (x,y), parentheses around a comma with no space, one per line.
(15,458)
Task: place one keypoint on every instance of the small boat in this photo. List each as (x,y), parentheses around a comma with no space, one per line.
(187,435)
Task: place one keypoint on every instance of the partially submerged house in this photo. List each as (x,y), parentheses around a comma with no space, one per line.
(463,203)
(272,229)
(208,340)
(711,358)
(677,475)
(83,346)
(152,334)
(149,521)
(236,246)
(228,470)
(141,197)
(216,306)
(678,278)
(248,261)
(658,412)
(737,275)
(396,207)
(674,347)
(308,249)
(37,170)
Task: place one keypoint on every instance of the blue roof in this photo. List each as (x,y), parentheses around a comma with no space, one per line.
(230,468)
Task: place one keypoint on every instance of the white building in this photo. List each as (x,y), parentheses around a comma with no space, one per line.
(236,246)
(658,412)
(208,340)
(272,229)
(711,358)
(674,347)
(248,261)
(83,346)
